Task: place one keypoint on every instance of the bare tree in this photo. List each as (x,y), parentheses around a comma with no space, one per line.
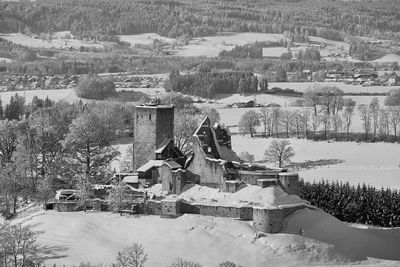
(305,116)
(365,115)
(326,122)
(336,122)
(132,256)
(374,111)
(394,119)
(275,119)
(186,123)
(348,113)
(178,262)
(265,118)
(315,122)
(287,119)
(312,98)
(279,152)
(18,246)
(384,123)
(116,197)
(248,122)
(297,119)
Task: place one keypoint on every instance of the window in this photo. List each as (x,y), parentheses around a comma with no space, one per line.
(149,116)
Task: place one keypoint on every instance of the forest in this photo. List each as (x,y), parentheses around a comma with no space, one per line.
(98,19)
(356,204)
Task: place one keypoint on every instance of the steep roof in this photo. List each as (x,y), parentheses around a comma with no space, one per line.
(164,144)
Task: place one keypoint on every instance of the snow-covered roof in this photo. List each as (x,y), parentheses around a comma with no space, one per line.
(150,164)
(130,179)
(172,164)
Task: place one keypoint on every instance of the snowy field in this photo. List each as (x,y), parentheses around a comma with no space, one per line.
(377,164)
(67,95)
(96,237)
(58,41)
(144,38)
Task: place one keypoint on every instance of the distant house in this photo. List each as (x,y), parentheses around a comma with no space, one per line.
(239,105)
(250,104)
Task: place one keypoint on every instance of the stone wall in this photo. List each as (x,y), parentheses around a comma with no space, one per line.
(243,213)
(289,182)
(151,207)
(210,172)
(268,220)
(171,208)
(251,177)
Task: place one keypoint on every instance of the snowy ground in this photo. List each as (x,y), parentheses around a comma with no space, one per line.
(56,95)
(377,164)
(58,41)
(96,237)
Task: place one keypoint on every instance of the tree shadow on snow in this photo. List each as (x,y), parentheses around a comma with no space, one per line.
(311,164)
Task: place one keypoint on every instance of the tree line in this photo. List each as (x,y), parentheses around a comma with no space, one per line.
(327,114)
(356,204)
(97,19)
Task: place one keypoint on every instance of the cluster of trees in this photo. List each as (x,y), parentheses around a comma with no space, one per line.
(357,204)
(13,51)
(327,115)
(97,19)
(361,50)
(95,88)
(207,84)
(58,146)
(18,246)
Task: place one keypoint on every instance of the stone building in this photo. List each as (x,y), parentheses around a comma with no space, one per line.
(152,125)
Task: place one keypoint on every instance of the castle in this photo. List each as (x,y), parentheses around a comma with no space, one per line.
(212,164)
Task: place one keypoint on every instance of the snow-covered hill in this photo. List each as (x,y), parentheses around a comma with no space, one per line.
(97,237)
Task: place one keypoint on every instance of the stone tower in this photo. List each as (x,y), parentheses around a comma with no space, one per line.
(152,124)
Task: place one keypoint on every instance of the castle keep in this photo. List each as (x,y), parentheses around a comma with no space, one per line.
(152,125)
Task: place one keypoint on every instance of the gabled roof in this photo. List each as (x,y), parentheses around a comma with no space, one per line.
(150,164)
(164,144)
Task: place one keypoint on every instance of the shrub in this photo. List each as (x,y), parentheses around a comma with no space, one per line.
(184,263)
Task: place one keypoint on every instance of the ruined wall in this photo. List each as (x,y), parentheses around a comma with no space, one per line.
(268,220)
(171,207)
(152,124)
(167,179)
(65,206)
(209,172)
(251,177)
(243,213)
(289,182)
(232,186)
(151,207)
